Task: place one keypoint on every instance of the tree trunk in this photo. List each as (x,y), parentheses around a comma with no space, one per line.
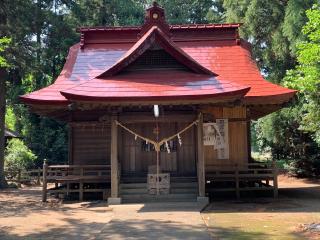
(3,182)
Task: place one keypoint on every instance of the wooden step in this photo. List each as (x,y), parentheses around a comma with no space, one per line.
(137,198)
(184,185)
(126,191)
(133,185)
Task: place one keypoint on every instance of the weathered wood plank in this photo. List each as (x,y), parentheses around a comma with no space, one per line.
(114,158)
(201,163)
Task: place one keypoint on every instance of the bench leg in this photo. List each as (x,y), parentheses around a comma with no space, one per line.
(81,191)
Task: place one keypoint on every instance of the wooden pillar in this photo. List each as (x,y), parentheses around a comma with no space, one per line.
(38,176)
(237,182)
(114,199)
(44,181)
(81,185)
(201,164)
(275,179)
(249,141)
(19,178)
(70,144)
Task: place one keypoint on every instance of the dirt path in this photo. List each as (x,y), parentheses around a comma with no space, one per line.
(23,216)
(165,221)
(266,218)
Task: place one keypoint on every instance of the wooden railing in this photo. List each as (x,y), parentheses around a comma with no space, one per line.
(258,173)
(23,176)
(79,174)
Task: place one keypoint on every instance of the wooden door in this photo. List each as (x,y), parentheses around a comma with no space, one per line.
(136,157)
(168,161)
(187,152)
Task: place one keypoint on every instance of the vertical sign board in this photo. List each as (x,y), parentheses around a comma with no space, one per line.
(209,134)
(223,152)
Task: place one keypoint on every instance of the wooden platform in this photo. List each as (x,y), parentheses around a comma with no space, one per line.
(245,177)
(66,177)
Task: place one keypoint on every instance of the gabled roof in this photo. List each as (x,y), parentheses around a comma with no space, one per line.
(155,35)
(218,60)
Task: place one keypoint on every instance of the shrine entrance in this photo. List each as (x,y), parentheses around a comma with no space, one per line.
(177,156)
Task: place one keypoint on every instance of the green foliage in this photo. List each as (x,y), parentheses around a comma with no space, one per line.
(10,118)
(4,43)
(18,156)
(275,30)
(306,76)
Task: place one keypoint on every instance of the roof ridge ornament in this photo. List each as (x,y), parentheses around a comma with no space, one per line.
(155,16)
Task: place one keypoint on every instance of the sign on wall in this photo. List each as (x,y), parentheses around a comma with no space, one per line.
(223,139)
(209,134)
(217,135)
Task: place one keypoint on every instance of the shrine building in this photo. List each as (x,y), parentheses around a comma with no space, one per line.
(159,102)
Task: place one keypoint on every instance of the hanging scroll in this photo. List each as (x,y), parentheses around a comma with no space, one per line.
(222,141)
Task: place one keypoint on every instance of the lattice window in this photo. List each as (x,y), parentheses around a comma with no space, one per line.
(155,59)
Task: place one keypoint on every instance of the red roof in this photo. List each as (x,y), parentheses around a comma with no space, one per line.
(219,65)
(167,84)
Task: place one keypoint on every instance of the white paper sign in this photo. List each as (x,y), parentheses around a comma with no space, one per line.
(209,134)
(223,139)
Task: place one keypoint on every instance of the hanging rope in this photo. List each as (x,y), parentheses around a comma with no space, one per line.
(158,144)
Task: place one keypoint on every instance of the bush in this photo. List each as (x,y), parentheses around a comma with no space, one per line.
(18,156)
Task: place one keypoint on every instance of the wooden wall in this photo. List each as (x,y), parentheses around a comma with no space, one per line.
(134,159)
(238,142)
(90,144)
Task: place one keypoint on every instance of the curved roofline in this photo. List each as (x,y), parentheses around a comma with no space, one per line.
(237,93)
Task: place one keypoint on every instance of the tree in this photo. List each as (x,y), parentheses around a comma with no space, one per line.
(274,29)
(306,76)
(3,65)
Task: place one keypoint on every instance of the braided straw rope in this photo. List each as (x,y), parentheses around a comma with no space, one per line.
(159,143)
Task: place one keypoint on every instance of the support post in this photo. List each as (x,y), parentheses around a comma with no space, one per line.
(237,181)
(201,164)
(44,181)
(81,185)
(19,178)
(275,179)
(38,176)
(114,199)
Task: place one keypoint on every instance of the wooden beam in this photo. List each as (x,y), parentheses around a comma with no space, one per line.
(201,164)
(114,158)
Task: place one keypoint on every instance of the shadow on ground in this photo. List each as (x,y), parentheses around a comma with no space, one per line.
(128,229)
(267,218)
(151,229)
